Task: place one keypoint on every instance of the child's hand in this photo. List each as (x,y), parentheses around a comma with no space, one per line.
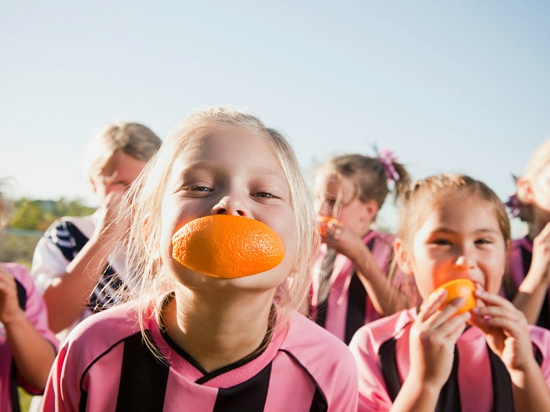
(109,228)
(344,240)
(505,330)
(432,340)
(9,303)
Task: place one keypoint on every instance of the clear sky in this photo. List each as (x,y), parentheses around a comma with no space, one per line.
(458,86)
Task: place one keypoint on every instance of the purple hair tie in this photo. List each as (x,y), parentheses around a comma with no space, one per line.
(514,205)
(387,158)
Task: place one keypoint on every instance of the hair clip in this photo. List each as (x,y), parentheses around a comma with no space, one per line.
(514,205)
(387,158)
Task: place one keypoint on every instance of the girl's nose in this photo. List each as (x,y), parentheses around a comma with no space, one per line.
(464,262)
(230,205)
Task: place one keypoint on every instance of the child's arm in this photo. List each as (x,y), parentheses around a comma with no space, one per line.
(385,297)
(433,337)
(32,353)
(506,332)
(534,288)
(68,293)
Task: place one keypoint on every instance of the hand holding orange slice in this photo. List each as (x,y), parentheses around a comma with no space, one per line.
(459,288)
(227,246)
(322,224)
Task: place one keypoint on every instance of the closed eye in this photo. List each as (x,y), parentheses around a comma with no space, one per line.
(483,241)
(441,242)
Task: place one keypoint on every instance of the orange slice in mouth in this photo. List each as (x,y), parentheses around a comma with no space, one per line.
(227,246)
(459,288)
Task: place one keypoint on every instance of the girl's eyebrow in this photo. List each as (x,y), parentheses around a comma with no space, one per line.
(477,231)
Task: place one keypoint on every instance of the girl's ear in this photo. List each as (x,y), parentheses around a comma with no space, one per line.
(371,209)
(525,190)
(402,256)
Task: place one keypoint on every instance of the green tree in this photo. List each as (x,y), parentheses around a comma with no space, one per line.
(28,215)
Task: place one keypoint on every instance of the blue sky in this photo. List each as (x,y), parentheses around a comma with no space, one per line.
(457,86)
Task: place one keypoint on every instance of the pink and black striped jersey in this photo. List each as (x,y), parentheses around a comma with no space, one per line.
(348,306)
(35,311)
(479,381)
(104,366)
(520,263)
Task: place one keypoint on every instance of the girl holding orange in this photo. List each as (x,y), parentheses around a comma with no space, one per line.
(205,333)
(530,264)
(437,357)
(352,283)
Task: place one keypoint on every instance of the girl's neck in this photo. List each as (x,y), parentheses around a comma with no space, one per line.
(541,219)
(218,329)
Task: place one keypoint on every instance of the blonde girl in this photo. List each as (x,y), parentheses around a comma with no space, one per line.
(352,283)
(431,358)
(73,264)
(209,343)
(530,263)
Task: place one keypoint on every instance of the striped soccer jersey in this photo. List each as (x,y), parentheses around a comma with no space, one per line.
(35,311)
(520,263)
(479,381)
(59,246)
(104,366)
(348,306)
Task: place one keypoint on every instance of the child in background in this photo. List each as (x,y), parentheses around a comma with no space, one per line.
(73,264)
(27,346)
(209,342)
(450,227)
(530,264)
(352,285)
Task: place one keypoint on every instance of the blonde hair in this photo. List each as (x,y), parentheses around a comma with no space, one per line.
(148,275)
(368,175)
(133,139)
(538,162)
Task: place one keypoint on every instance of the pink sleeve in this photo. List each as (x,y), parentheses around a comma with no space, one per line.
(373,395)
(62,392)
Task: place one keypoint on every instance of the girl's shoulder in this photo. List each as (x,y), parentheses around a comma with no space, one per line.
(381,330)
(100,333)
(19,271)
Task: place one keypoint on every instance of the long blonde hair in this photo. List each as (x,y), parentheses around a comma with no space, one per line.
(148,276)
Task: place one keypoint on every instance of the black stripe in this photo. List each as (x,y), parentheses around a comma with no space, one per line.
(14,395)
(248,396)
(319,402)
(100,298)
(21,295)
(503,399)
(386,357)
(143,378)
(449,397)
(357,306)
(321,315)
(75,235)
(357,303)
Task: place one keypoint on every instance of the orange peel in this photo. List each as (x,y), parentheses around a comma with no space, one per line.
(227,246)
(459,288)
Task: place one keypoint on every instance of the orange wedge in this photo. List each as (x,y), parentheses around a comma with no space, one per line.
(459,288)
(227,246)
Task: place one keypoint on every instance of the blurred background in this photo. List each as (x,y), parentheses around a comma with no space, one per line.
(447,86)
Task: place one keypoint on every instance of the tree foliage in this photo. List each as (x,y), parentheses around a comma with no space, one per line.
(40,214)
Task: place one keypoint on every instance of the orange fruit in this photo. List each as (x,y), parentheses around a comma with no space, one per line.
(322,224)
(227,246)
(459,288)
